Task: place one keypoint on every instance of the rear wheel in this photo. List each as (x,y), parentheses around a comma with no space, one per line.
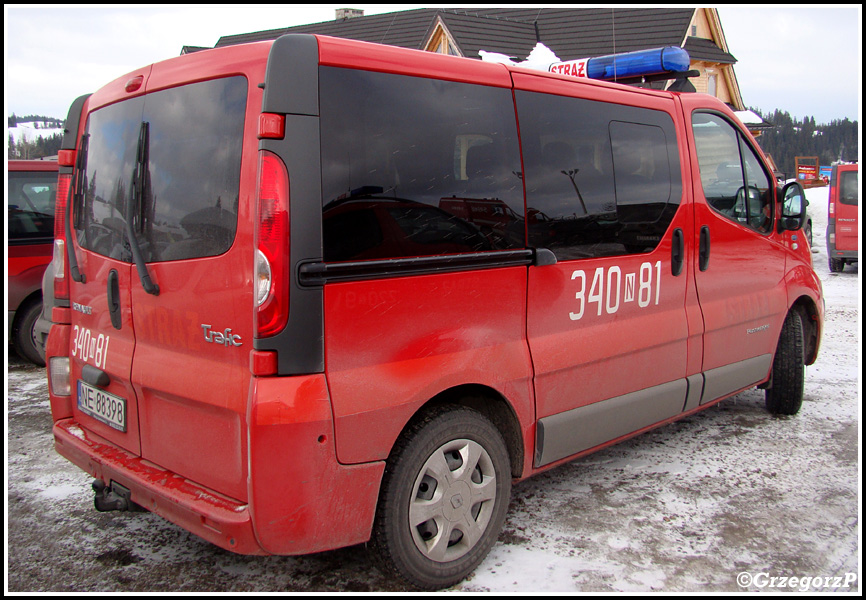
(837,265)
(443,500)
(24,335)
(785,394)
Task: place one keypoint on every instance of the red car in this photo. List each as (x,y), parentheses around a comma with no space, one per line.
(32,190)
(291,329)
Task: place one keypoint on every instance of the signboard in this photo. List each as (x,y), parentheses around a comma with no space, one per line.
(808,171)
(807,168)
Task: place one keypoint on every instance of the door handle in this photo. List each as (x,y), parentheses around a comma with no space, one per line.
(678,251)
(704,249)
(114,299)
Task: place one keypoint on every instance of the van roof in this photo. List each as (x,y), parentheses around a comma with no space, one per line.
(333,51)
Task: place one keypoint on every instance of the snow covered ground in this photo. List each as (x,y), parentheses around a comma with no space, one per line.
(723,501)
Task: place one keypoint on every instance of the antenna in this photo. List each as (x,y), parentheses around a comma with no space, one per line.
(613,30)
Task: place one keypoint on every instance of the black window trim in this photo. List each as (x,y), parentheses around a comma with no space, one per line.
(318,273)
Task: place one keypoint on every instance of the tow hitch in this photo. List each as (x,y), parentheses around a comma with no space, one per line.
(113,497)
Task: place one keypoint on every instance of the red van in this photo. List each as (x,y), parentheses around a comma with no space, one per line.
(286,334)
(842,216)
(32,188)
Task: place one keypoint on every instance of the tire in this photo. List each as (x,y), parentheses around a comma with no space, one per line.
(427,532)
(24,333)
(785,394)
(837,265)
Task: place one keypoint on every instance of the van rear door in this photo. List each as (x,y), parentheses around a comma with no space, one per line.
(103,335)
(177,217)
(846,204)
(191,367)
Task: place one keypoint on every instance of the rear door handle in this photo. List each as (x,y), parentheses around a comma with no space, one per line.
(114,299)
(678,251)
(704,249)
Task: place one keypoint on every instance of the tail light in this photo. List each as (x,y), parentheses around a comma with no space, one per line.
(272,246)
(58,376)
(61,275)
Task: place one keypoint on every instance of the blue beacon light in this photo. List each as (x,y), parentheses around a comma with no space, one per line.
(641,63)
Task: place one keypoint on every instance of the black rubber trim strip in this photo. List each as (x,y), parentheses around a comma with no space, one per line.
(317,273)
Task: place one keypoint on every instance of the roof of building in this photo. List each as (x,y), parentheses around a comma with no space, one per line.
(706,50)
(570,32)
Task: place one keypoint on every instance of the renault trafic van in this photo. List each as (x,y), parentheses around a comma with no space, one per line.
(843,208)
(323,292)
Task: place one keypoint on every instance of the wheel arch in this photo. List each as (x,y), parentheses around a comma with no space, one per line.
(491,404)
(811,319)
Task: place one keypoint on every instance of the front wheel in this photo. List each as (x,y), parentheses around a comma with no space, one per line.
(443,500)
(785,394)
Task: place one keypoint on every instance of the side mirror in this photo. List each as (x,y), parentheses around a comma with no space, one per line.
(794,205)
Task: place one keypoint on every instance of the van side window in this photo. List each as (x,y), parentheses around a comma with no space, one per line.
(732,176)
(602,179)
(413,166)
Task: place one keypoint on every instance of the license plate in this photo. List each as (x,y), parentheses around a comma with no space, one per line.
(102,406)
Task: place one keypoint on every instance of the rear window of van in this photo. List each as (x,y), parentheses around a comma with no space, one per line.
(848,191)
(192,136)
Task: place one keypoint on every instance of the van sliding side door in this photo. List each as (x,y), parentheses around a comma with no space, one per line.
(607,323)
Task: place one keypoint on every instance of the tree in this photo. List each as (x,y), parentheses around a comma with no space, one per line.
(790,137)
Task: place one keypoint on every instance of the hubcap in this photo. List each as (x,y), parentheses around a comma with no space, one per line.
(452,500)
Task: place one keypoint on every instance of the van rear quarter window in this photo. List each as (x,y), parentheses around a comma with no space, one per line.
(602,179)
(414,167)
(190,200)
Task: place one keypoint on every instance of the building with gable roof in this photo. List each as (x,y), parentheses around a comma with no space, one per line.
(571,33)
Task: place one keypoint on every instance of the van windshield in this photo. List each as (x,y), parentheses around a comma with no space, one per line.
(189,199)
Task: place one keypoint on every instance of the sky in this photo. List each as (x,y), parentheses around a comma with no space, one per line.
(806,61)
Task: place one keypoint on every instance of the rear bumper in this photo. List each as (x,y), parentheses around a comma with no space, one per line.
(204,512)
(301,500)
(846,254)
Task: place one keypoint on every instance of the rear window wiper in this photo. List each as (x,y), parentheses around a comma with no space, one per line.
(137,199)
